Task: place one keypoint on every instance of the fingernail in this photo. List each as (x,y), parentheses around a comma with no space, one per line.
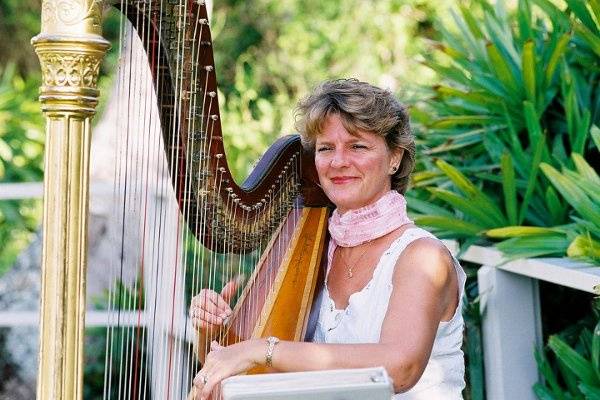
(224,315)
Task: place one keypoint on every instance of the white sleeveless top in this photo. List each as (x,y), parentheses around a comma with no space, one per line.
(361,322)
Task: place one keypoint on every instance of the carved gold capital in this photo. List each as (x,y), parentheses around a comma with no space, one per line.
(70,69)
(70,48)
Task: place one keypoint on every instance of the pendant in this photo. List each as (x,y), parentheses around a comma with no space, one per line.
(350,274)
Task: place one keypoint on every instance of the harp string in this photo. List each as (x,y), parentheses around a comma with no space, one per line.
(140,383)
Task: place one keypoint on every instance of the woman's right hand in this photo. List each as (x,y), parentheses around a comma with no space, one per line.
(209,309)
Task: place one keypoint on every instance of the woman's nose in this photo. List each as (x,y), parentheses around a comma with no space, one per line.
(339,159)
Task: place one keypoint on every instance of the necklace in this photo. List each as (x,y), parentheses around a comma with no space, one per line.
(349,266)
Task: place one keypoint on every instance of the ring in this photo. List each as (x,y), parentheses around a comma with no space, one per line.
(204,379)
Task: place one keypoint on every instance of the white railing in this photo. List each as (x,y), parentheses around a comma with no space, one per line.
(35,190)
(510,311)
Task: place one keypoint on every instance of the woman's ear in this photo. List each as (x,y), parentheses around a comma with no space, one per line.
(396,159)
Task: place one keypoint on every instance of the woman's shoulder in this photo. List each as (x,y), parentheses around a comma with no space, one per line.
(427,256)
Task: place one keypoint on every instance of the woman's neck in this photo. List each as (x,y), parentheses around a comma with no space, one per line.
(364,224)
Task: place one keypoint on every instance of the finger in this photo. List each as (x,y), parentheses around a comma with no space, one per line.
(209,307)
(201,325)
(231,288)
(213,301)
(223,306)
(208,319)
(210,385)
(217,301)
(203,296)
(214,345)
(198,324)
(198,381)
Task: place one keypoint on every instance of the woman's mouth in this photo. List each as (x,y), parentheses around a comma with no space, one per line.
(340,180)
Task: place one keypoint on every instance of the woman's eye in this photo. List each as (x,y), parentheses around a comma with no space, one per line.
(322,149)
(359,146)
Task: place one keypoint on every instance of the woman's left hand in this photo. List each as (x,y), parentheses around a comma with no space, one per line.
(222,362)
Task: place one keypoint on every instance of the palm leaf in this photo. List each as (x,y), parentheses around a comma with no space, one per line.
(573,194)
(580,10)
(595,132)
(533,246)
(509,188)
(556,208)
(591,39)
(454,120)
(501,67)
(528,65)
(559,18)
(581,367)
(550,377)
(471,191)
(466,206)
(590,392)
(584,247)
(595,5)
(450,224)
(533,172)
(519,231)
(524,18)
(427,207)
(557,52)
(585,170)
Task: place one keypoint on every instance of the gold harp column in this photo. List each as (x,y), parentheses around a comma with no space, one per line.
(70,48)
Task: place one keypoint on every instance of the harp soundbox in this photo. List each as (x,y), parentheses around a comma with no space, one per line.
(278,209)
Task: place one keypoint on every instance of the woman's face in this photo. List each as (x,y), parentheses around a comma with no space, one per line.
(354,170)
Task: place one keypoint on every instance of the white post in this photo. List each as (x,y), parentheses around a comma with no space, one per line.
(511,330)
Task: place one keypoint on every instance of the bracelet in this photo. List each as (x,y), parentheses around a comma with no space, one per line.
(271,342)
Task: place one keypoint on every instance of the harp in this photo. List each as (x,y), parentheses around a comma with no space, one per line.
(278,208)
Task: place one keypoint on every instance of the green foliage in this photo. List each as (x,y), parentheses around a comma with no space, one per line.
(21,160)
(519,93)
(581,189)
(20,21)
(270,53)
(573,371)
(124,372)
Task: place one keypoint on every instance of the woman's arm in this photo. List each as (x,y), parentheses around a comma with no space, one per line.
(425,292)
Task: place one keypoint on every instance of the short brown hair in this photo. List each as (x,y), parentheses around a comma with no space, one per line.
(364,107)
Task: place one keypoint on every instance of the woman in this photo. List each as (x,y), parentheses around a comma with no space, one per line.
(392,291)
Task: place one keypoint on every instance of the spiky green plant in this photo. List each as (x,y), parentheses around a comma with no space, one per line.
(515,96)
(574,370)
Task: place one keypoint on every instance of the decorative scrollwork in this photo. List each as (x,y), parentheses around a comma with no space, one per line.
(70,70)
(71,12)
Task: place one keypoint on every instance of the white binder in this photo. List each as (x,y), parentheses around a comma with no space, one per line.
(342,384)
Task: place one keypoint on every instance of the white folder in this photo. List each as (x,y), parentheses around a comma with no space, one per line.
(342,384)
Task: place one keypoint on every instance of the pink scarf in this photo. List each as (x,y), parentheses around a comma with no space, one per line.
(370,222)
